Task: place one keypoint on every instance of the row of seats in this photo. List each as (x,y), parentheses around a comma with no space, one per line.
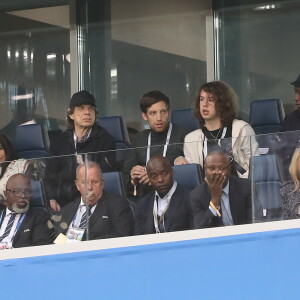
(188,176)
(265,117)
(265,174)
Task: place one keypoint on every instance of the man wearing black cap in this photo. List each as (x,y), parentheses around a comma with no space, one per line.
(292,121)
(82,136)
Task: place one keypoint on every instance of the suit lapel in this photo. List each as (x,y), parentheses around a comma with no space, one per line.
(149,212)
(99,210)
(70,213)
(25,223)
(173,207)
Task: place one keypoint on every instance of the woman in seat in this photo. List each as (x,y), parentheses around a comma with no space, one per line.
(290,192)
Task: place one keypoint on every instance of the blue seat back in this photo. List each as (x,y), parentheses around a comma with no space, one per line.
(266,115)
(266,173)
(113,183)
(185,118)
(189,176)
(30,141)
(38,199)
(116,127)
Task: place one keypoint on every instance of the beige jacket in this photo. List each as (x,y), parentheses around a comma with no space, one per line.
(244,145)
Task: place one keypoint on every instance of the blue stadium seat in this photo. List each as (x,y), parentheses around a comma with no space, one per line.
(185,118)
(116,127)
(30,141)
(266,173)
(266,115)
(38,200)
(113,183)
(189,176)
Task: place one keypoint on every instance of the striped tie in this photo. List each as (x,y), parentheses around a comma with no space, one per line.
(8,226)
(83,219)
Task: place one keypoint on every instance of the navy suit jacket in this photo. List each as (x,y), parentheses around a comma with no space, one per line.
(239,200)
(112,217)
(34,230)
(177,217)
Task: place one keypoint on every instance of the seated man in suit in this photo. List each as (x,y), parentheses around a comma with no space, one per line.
(168,207)
(108,215)
(21,226)
(222,199)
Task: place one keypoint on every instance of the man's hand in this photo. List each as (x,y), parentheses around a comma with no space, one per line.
(54,205)
(215,183)
(139,175)
(180,160)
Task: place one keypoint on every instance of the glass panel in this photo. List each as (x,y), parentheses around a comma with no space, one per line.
(271,196)
(34,66)
(257,46)
(153,45)
(274,185)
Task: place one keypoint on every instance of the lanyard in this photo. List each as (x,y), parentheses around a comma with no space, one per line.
(18,225)
(155,215)
(219,141)
(165,146)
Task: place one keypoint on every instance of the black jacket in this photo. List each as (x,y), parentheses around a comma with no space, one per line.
(239,200)
(60,171)
(178,216)
(112,218)
(34,230)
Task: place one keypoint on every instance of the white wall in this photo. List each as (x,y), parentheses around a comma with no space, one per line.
(172,26)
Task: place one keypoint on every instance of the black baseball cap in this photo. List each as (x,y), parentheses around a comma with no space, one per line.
(296,83)
(82,97)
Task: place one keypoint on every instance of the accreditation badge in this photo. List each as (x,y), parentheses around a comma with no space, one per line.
(75,234)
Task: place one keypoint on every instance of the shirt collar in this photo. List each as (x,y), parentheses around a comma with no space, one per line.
(85,136)
(83,205)
(226,188)
(8,211)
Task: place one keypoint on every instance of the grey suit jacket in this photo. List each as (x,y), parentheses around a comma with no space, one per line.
(239,200)
(112,217)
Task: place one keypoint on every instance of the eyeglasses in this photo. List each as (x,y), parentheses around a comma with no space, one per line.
(20,192)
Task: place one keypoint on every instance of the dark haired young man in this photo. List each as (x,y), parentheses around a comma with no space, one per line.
(163,138)
(215,107)
(82,136)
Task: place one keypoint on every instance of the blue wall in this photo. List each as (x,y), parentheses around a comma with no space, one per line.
(249,266)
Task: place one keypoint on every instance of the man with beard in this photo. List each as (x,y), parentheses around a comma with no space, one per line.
(21,226)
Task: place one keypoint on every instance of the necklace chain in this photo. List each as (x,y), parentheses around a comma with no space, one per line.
(215,137)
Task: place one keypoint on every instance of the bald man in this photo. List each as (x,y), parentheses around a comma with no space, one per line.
(109,215)
(167,208)
(222,199)
(21,226)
